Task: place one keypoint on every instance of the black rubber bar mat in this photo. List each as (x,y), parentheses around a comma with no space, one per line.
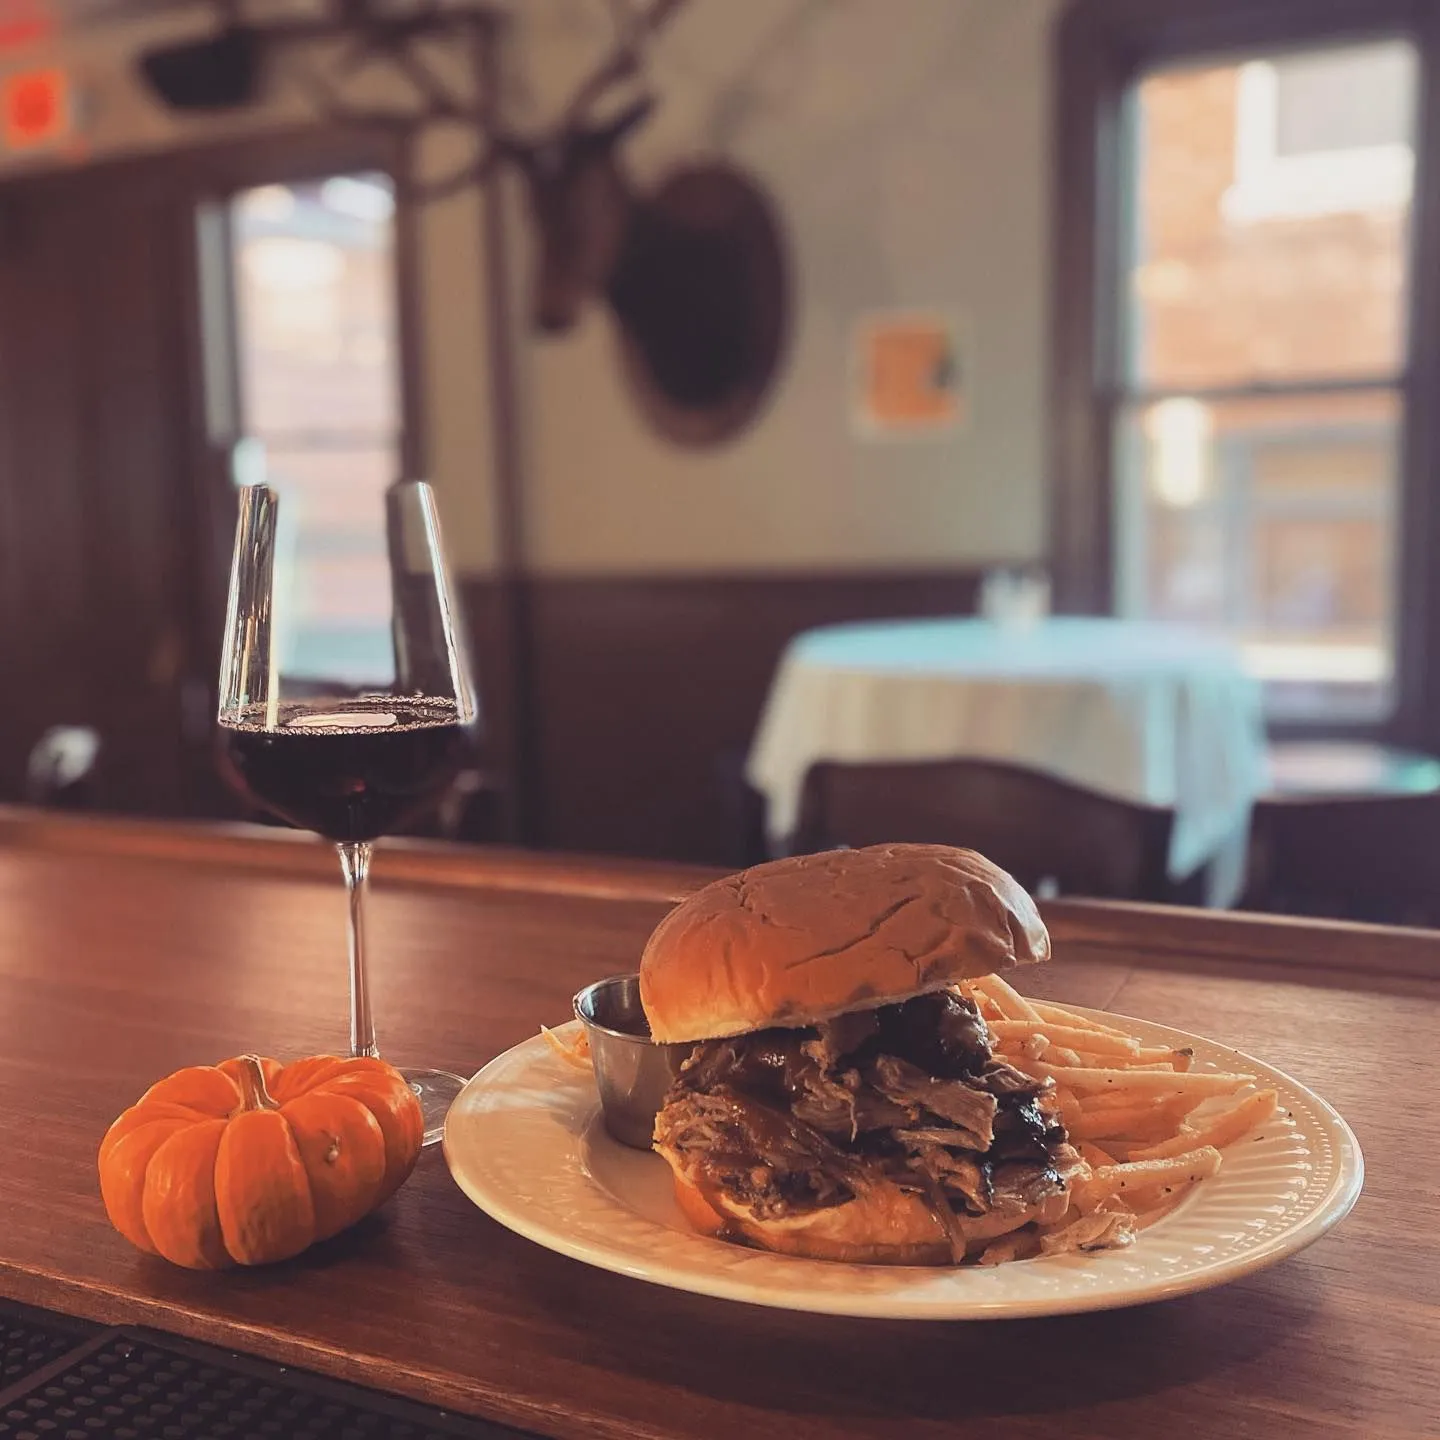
(63,1379)
(30,1340)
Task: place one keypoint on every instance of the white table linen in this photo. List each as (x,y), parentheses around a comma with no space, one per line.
(1143,711)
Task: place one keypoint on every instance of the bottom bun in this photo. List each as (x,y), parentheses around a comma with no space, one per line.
(696,1209)
(884,1226)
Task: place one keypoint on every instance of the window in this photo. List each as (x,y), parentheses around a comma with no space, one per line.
(313,279)
(1260,401)
(1323,132)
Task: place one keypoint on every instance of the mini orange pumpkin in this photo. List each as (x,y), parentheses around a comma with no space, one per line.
(250,1161)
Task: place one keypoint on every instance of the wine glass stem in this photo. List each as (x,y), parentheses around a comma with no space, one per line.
(355,866)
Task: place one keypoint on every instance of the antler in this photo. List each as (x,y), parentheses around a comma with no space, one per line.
(376,36)
(632,31)
(394,40)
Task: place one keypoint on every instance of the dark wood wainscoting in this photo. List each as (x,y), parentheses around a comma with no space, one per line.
(643,694)
(95,502)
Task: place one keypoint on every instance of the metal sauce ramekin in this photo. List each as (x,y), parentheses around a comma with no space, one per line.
(632,1072)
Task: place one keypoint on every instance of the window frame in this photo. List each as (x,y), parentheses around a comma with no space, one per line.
(1101,48)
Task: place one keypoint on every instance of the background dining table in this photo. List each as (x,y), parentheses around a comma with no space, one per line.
(1155,713)
(127,950)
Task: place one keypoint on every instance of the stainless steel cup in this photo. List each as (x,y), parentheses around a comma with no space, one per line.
(632,1072)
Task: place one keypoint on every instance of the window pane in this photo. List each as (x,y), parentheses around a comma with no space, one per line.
(1272,520)
(1343,99)
(315,291)
(1271,216)
(320,396)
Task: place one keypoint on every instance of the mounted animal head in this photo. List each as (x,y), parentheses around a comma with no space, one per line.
(582,207)
(692,270)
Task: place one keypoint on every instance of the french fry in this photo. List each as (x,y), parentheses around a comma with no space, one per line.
(575,1052)
(1194,1082)
(1155,1197)
(1130,1111)
(1142,1123)
(1160,1055)
(1110,1062)
(1108,1124)
(1184,1169)
(1096,1060)
(1151,1126)
(1070,1111)
(1033,1047)
(1219,1131)
(1143,1060)
(988,1009)
(1124,1099)
(1091,1042)
(1061,1015)
(1011,1003)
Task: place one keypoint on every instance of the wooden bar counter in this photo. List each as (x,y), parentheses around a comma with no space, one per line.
(129,950)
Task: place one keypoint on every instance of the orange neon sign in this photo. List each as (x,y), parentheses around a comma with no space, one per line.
(36,108)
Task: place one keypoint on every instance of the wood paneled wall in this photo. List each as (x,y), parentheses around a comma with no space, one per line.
(96,505)
(643,694)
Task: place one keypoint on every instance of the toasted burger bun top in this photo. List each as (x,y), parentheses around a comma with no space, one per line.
(798,940)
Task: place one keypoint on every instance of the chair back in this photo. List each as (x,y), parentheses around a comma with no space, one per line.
(1352,857)
(1053,836)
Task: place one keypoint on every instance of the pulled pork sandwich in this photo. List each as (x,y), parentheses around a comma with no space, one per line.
(842,1101)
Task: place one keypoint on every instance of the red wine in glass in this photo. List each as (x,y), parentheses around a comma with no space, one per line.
(348,769)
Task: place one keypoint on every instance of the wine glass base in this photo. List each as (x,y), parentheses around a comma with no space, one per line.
(435,1090)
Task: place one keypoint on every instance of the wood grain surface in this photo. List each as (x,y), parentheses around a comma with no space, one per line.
(126,951)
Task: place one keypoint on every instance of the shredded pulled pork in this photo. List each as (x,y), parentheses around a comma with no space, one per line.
(965,1106)
(765,1158)
(786,1121)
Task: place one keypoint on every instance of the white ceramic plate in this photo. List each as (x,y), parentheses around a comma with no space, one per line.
(525,1142)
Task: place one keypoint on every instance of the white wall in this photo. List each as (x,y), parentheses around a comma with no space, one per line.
(909,162)
(905,145)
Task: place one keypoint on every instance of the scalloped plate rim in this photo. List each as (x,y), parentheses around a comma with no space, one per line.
(1071,1295)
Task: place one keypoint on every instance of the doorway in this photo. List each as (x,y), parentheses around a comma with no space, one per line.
(312,336)
(139,380)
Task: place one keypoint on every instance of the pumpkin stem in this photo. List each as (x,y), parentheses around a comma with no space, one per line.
(253,1094)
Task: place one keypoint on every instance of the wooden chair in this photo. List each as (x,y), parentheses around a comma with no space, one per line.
(1048,833)
(1352,857)
(742,811)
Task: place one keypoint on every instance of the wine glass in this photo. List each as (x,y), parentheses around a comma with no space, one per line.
(351,761)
